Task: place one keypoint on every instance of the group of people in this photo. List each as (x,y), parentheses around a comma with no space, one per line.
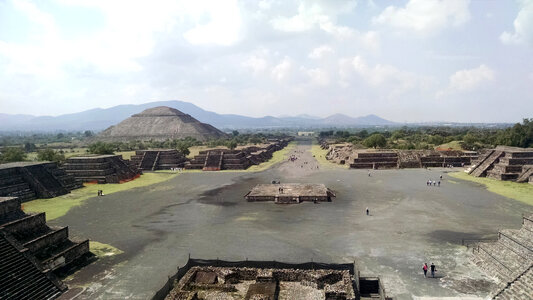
(433,182)
(100,192)
(176,169)
(432,268)
(280,190)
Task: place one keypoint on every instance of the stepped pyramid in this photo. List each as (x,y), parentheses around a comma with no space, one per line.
(160,123)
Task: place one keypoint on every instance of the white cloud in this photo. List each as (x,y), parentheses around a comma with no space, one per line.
(282,71)
(320,52)
(380,76)
(223,27)
(256,64)
(426,16)
(470,79)
(318,76)
(523,26)
(467,80)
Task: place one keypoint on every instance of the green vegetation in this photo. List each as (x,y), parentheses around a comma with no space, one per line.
(457,138)
(320,155)
(376,140)
(522,192)
(59,206)
(12,154)
(50,155)
(101,148)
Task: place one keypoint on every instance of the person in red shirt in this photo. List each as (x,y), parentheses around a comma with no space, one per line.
(425,268)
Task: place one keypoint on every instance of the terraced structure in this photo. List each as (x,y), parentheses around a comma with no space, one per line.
(510,260)
(157,159)
(505,163)
(31,180)
(100,169)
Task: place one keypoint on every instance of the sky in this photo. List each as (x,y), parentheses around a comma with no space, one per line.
(406,61)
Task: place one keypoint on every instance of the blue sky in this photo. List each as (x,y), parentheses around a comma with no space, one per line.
(411,60)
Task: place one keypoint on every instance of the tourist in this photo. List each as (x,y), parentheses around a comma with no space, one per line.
(433,270)
(439,182)
(440,177)
(367,211)
(368,173)
(425,268)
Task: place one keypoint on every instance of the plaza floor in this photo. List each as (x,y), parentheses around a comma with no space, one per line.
(206,216)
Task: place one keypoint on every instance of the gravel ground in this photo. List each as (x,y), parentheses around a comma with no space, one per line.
(206,216)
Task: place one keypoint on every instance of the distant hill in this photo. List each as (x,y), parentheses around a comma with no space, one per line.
(99,119)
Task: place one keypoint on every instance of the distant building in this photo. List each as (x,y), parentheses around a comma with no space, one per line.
(306,133)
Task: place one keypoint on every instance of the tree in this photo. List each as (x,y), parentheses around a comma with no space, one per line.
(101,148)
(88,133)
(60,136)
(12,155)
(50,155)
(232,145)
(29,147)
(183,147)
(235,133)
(375,140)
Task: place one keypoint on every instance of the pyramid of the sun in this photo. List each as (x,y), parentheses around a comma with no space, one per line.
(160,123)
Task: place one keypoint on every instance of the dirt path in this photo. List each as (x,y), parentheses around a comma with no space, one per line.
(301,162)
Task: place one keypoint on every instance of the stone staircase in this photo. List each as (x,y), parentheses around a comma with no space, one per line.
(20,278)
(148,160)
(51,246)
(518,289)
(484,165)
(527,172)
(213,161)
(510,258)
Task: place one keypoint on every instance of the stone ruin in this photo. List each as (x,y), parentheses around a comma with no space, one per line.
(100,169)
(392,159)
(163,159)
(289,193)
(510,260)
(30,180)
(505,163)
(237,159)
(30,252)
(269,281)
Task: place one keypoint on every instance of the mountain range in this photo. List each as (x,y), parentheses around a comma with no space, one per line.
(99,119)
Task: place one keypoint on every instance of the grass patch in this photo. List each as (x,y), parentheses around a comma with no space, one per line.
(522,192)
(277,157)
(126,154)
(454,145)
(103,250)
(59,206)
(320,155)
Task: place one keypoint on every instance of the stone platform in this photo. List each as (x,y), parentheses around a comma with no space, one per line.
(157,159)
(30,252)
(290,193)
(30,180)
(505,163)
(101,169)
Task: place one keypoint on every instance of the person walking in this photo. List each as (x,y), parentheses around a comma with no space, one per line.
(367,211)
(433,270)
(425,268)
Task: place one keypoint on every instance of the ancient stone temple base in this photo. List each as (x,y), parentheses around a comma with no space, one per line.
(100,169)
(269,280)
(287,193)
